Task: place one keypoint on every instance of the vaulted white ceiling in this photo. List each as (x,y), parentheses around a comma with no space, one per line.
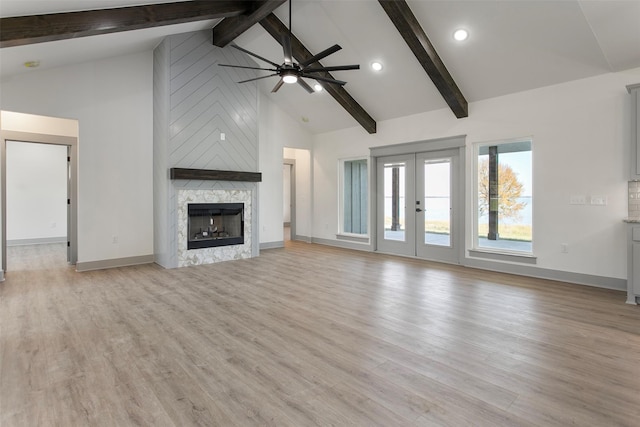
(513,45)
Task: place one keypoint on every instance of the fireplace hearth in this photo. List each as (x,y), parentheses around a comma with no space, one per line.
(215,224)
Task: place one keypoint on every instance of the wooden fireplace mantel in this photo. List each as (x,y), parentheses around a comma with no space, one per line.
(215,175)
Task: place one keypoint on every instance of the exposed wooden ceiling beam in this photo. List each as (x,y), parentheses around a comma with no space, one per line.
(413,34)
(277,29)
(22,30)
(232,27)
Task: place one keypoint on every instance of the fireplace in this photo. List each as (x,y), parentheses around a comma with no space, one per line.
(239,247)
(215,224)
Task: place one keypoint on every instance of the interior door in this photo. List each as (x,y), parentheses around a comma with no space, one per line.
(436,205)
(395,194)
(418,200)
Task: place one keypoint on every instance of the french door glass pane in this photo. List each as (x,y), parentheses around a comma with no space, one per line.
(437,202)
(394,201)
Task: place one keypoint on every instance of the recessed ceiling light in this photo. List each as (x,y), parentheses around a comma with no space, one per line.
(376,66)
(317,87)
(32,64)
(461,35)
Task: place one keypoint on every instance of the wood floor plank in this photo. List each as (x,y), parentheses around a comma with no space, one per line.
(310,335)
(452,405)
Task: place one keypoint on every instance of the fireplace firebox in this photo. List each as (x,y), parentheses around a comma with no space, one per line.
(215,224)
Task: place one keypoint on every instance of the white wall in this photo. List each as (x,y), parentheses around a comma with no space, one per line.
(580,134)
(36,192)
(112,100)
(278,130)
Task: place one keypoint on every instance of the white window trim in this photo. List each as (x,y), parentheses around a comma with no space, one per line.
(341,233)
(489,253)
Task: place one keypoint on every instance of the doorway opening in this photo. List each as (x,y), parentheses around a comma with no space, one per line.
(288,199)
(37,187)
(43,232)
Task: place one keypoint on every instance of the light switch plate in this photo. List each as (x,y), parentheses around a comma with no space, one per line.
(599,200)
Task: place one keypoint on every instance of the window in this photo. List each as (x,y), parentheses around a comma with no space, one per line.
(354,197)
(504,198)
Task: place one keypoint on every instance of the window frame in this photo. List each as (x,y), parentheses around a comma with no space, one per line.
(341,202)
(494,253)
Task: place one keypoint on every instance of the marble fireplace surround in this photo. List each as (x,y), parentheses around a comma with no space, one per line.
(185,196)
(188,257)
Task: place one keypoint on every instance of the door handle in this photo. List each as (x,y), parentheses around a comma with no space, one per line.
(418,210)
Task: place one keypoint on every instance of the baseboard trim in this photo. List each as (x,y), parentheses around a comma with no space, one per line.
(37,241)
(345,244)
(113,263)
(544,273)
(1,276)
(500,267)
(272,245)
(302,238)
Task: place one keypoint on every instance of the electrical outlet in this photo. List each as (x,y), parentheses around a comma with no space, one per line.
(115,239)
(564,248)
(54,225)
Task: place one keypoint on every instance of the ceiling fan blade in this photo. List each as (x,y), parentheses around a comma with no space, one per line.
(258,78)
(277,86)
(248,68)
(319,56)
(305,86)
(336,68)
(254,55)
(286,47)
(324,79)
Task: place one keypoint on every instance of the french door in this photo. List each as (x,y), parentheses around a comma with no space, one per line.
(417,205)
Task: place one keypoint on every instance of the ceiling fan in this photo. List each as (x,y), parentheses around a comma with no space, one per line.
(293,72)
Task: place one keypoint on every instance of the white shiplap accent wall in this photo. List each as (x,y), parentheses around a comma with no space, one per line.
(195,101)
(206,100)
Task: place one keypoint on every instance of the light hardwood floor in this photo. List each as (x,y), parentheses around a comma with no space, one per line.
(311,335)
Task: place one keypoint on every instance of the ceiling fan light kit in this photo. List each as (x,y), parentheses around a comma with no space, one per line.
(291,72)
(289,78)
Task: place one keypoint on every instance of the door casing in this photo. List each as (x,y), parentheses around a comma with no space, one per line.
(72,193)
